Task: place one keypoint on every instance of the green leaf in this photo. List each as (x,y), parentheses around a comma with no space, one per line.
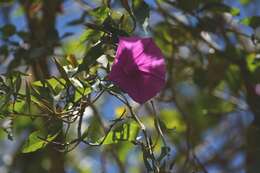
(100,13)
(6,1)
(146,156)
(123,150)
(200,77)
(252,63)
(28,96)
(18,11)
(54,82)
(91,56)
(122,131)
(165,150)
(218,7)
(74,46)
(141,12)
(245,2)
(19,106)
(253,21)
(62,71)
(18,83)
(94,131)
(8,128)
(4,50)
(42,98)
(126,5)
(8,30)
(72,60)
(4,101)
(83,92)
(34,142)
(188,5)
(235,11)
(89,34)
(126,131)
(172,119)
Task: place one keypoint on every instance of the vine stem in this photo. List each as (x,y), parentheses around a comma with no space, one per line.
(157,124)
(148,140)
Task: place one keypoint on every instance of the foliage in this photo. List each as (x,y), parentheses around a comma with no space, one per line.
(54,87)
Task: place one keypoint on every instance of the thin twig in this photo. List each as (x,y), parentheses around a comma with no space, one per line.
(157,124)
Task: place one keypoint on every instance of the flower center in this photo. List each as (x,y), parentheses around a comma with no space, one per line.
(131,70)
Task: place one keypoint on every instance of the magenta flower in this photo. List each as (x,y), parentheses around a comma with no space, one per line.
(139,68)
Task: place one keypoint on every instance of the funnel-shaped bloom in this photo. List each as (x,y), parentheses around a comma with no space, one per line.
(139,68)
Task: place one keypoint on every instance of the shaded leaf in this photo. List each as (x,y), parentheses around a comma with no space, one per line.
(164,152)
(72,60)
(141,12)
(28,96)
(146,156)
(62,71)
(244,2)
(253,21)
(126,5)
(4,50)
(216,7)
(8,30)
(188,5)
(91,56)
(18,83)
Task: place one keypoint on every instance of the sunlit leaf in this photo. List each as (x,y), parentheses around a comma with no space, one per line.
(172,119)
(119,111)
(100,13)
(34,141)
(89,35)
(235,11)
(122,132)
(19,106)
(83,92)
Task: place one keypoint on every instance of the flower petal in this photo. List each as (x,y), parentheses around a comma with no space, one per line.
(139,68)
